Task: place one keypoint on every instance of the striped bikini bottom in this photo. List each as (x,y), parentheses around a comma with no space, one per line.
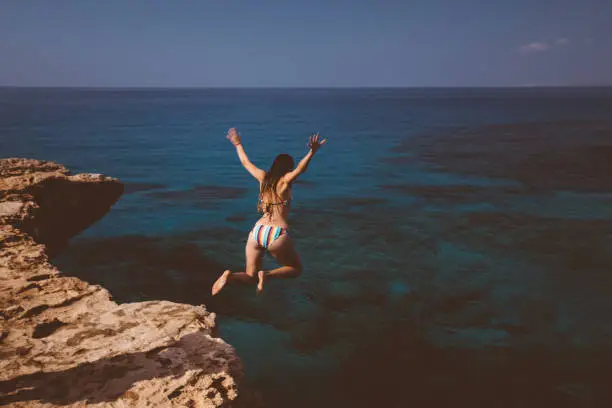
(265,235)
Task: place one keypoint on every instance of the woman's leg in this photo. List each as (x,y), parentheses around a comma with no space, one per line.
(254,255)
(284,252)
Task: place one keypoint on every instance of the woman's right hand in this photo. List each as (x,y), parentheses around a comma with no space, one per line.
(234,137)
(315,142)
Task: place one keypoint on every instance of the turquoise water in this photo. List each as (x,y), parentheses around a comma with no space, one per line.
(456,242)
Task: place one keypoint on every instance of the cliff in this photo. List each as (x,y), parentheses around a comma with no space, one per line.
(64,342)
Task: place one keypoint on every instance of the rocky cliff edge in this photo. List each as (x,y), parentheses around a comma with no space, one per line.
(64,342)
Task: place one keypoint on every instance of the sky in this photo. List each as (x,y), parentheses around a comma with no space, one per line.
(315,43)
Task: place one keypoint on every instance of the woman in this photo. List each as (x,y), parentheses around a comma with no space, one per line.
(271,232)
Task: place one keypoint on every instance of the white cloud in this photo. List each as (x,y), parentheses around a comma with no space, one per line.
(537,46)
(542,46)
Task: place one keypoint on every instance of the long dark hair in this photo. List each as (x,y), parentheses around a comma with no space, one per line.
(282,165)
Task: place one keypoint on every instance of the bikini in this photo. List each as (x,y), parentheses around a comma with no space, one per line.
(265,235)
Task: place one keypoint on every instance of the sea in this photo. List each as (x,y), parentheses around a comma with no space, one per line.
(456,243)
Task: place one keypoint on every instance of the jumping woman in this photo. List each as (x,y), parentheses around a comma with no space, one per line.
(271,232)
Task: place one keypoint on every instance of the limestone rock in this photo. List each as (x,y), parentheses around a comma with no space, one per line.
(64,342)
(44,200)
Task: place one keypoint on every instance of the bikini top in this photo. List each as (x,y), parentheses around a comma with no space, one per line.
(286,202)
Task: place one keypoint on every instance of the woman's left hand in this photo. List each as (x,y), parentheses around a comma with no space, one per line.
(315,142)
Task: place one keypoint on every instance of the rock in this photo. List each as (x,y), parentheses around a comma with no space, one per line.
(44,200)
(64,342)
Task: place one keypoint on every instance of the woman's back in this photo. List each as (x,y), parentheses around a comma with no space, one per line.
(275,205)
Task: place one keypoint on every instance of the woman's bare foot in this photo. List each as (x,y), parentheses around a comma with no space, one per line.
(262,277)
(220,283)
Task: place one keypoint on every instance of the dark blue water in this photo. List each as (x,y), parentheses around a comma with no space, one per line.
(457,243)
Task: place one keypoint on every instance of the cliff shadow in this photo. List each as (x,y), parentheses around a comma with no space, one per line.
(137,268)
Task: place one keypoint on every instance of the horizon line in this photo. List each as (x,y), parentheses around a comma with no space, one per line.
(86,87)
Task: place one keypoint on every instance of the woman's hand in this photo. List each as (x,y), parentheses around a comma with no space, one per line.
(314,142)
(234,137)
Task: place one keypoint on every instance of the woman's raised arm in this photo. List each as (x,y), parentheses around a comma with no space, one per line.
(234,137)
(314,142)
